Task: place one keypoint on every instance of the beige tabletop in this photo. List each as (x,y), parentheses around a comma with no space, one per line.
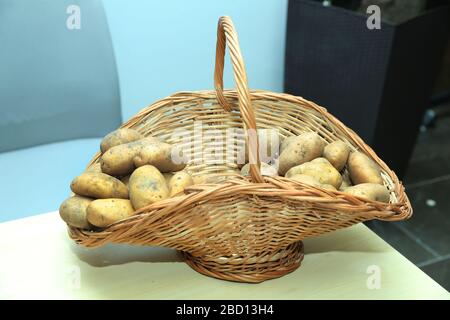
(38,260)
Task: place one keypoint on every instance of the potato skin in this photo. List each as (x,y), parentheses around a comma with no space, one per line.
(337,154)
(362,169)
(178,182)
(320,169)
(371,191)
(118,137)
(118,161)
(126,180)
(158,155)
(304,148)
(266,170)
(147,186)
(73,211)
(99,186)
(286,142)
(103,212)
(328,187)
(312,181)
(305,179)
(345,182)
(167,176)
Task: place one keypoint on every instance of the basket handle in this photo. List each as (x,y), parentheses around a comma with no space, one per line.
(226,35)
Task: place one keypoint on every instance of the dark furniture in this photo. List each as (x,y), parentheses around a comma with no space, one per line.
(378,82)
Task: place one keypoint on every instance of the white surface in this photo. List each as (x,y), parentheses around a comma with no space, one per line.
(38,260)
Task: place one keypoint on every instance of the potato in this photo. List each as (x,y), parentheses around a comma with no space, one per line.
(160,156)
(167,176)
(345,182)
(147,186)
(286,142)
(103,212)
(117,137)
(96,167)
(126,180)
(337,154)
(207,178)
(118,161)
(73,211)
(304,148)
(312,181)
(328,187)
(178,182)
(319,168)
(362,169)
(306,179)
(99,186)
(266,170)
(371,191)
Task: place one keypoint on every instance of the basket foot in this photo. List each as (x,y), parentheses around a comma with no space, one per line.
(254,269)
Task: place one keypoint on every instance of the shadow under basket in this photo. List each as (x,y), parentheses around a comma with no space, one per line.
(246,229)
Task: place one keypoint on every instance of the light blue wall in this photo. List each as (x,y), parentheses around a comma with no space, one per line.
(163,47)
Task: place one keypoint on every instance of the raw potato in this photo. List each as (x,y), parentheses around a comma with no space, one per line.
(160,156)
(328,187)
(286,142)
(96,167)
(371,191)
(320,169)
(118,161)
(119,136)
(168,176)
(126,180)
(73,211)
(306,179)
(312,181)
(178,182)
(103,212)
(201,178)
(304,148)
(147,186)
(362,169)
(99,186)
(266,170)
(345,182)
(337,154)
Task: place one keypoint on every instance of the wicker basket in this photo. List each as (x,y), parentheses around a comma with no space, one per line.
(244,229)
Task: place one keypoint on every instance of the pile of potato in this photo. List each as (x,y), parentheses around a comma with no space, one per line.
(134,171)
(307,159)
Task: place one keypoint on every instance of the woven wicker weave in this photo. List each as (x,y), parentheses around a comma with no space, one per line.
(244,229)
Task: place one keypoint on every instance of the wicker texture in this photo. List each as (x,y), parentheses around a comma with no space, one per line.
(244,229)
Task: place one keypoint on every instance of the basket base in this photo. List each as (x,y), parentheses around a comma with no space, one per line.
(253,270)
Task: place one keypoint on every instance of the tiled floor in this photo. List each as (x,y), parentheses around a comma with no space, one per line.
(425,238)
